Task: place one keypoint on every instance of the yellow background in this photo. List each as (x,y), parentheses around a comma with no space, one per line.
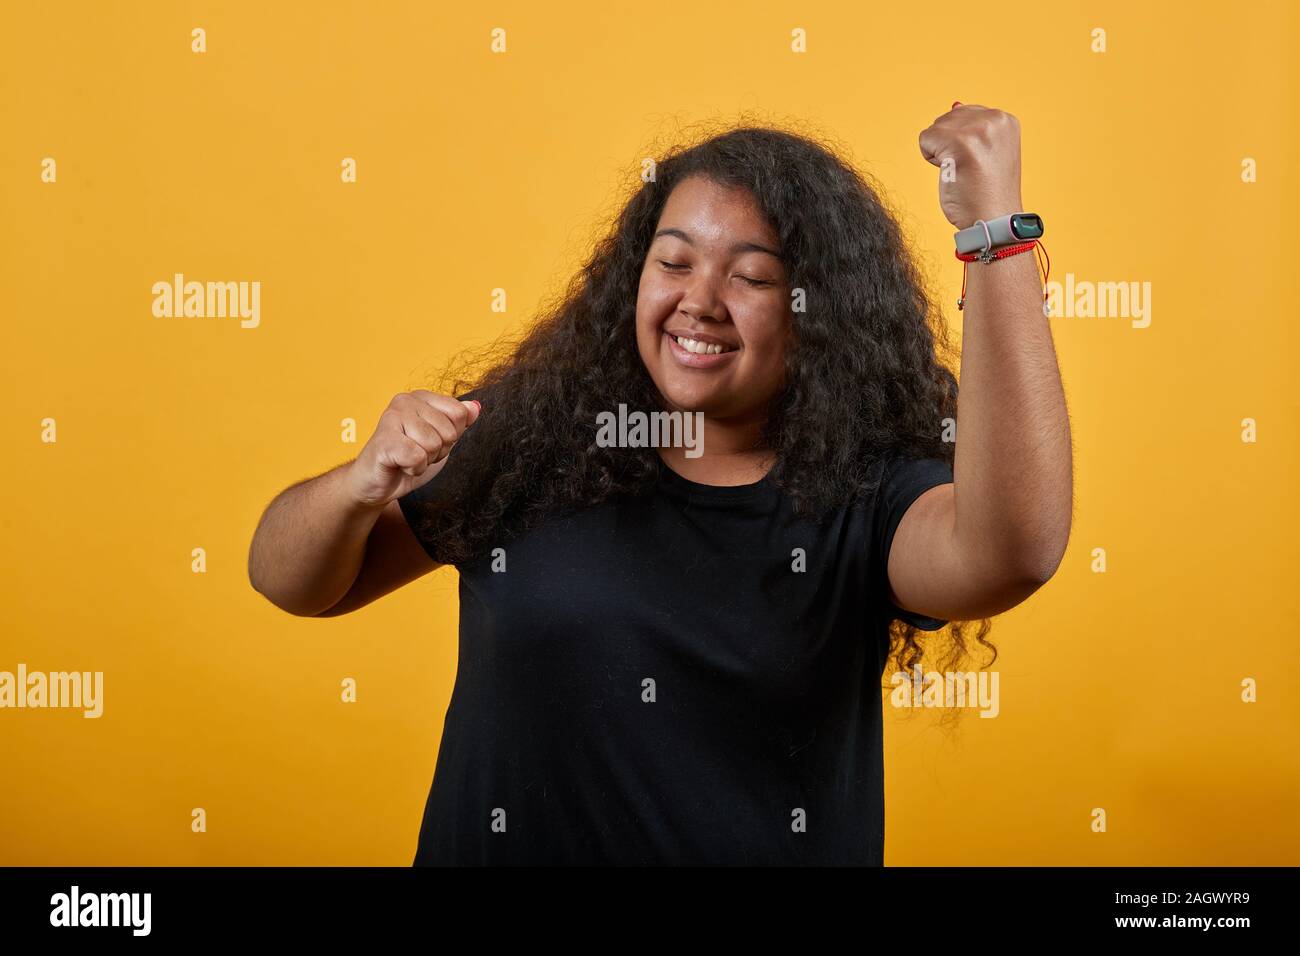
(1119,690)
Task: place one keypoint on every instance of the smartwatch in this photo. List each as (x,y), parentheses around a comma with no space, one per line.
(1008,230)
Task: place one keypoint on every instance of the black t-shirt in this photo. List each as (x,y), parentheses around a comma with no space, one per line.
(692,676)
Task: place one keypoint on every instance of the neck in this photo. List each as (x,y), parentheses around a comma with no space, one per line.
(733,454)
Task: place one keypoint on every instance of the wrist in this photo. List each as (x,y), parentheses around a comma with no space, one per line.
(992,209)
(356,501)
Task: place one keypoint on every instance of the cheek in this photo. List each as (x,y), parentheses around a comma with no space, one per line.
(651,297)
(768,347)
(645,299)
(649,312)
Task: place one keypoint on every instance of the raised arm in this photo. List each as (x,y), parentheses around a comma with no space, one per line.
(987,541)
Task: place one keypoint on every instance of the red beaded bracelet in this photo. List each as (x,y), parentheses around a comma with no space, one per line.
(1002,253)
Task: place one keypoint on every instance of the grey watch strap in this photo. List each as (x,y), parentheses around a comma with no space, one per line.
(974,239)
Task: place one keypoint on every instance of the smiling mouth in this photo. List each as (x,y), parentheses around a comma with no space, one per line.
(701,356)
(696,347)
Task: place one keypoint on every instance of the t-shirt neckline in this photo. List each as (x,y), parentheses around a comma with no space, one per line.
(729,492)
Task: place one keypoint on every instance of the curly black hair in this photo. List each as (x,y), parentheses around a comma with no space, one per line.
(864,379)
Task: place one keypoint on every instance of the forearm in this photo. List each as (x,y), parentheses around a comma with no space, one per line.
(310,544)
(1013,484)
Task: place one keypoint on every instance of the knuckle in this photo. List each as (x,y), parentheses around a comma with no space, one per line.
(418,452)
(428,436)
(433,439)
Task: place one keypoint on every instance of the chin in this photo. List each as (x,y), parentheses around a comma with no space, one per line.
(694,399)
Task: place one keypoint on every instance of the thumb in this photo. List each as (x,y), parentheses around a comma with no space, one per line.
(474,408)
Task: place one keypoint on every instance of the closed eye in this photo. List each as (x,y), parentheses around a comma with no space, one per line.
(677,266)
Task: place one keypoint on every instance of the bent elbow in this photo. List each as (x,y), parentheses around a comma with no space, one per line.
(287,606)
(1040,564)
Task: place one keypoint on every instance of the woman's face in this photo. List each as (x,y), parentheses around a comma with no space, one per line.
(713,275)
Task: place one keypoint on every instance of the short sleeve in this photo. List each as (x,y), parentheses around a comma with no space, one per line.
(419,505)
(905,480)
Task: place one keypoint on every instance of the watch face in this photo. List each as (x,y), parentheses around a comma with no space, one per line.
(1026,225)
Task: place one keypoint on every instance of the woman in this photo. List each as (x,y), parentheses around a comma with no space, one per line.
(673,654)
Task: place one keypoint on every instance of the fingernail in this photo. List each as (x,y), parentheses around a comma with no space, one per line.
(956,103)
(478,403)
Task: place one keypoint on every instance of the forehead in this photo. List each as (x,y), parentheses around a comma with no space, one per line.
(708,210)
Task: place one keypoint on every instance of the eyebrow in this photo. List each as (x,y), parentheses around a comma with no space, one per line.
(735,248)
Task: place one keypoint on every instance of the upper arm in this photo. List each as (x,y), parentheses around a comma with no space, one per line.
(394,557)
(930,573)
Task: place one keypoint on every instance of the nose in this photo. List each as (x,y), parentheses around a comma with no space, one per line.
(701,300)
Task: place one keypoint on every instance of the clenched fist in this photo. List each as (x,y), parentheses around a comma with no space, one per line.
(982,179)
(415,434)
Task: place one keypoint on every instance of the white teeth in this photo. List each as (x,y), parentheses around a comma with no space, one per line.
(699,348)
